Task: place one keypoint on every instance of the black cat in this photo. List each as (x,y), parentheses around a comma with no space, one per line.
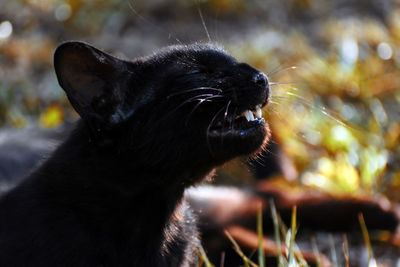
(112,194)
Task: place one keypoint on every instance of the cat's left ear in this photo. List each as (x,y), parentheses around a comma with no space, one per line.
(92,80)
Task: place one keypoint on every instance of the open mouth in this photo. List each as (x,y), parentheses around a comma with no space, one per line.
(248,122)
(251,115)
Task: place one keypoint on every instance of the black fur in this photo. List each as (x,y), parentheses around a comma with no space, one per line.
(112,193)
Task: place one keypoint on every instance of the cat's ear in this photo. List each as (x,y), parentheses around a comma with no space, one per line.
(92,81)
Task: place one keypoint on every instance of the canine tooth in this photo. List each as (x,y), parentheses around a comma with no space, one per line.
(258,112)
(251,115)
(248,115)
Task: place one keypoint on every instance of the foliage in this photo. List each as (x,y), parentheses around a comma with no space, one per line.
(335,80)
(336,115)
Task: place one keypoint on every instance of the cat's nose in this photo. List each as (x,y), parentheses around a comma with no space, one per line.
(260,79)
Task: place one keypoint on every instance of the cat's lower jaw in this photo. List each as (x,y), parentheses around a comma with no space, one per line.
(248,139)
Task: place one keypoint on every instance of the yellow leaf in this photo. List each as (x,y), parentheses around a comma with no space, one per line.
(51,117)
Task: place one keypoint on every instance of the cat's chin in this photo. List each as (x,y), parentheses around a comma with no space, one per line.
(246,138)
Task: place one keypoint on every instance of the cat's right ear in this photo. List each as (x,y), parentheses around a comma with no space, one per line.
(91,79)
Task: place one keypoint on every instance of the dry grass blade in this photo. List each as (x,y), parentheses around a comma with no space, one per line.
(346,251)
(292,233)
(275,220)
(333,251)
(222,263)
(316,252)
(246,260)
(204,256)
(364,230)
(261,255)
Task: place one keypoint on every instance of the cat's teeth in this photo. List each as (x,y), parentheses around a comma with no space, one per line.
(246,114)
(258,112)
(249,115)
(252,115)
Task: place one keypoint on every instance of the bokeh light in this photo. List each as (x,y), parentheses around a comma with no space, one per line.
(6,29)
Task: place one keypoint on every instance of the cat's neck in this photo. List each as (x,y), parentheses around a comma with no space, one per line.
(82,158)
(103,187)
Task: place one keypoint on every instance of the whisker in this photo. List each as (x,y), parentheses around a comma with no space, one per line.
(274,102)
(227,107)
(258,158)
(286,88)
(208,130)
(192,99)
(323,110)
(283,119)
(204,24)
(275,111)
(281,83)
(231,123)
(276,71)
(225,116)
(152,24)
(194,89)
(195,107)
(207,99)
(198,97)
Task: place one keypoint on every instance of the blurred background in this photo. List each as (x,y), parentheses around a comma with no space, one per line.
(333,67)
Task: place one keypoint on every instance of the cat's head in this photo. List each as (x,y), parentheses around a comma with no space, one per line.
(187,105)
